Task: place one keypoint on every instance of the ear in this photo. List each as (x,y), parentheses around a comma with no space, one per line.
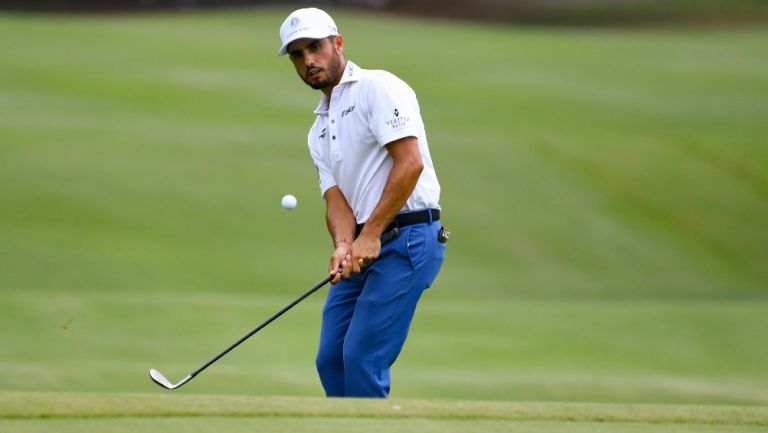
(338,44)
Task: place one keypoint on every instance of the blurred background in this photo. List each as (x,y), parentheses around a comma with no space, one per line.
(603,166)
(577,12)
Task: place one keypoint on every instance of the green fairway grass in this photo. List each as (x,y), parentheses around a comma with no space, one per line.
(630,351)
(606,188)
(29,412)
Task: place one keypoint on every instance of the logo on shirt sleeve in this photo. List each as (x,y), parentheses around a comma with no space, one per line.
(399,121)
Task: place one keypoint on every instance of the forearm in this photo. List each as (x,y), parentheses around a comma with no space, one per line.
(341,225)
(339,218)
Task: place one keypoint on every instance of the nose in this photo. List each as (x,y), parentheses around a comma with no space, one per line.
(308,58)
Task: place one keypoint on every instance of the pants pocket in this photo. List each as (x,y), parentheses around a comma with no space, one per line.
(425,252)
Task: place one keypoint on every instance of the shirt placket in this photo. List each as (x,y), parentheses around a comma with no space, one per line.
(333,136)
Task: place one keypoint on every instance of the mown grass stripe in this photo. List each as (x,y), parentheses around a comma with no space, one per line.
(41,405)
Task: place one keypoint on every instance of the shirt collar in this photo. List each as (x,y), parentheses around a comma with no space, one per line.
(351,74)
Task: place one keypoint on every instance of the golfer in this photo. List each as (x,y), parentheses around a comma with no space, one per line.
(382,206)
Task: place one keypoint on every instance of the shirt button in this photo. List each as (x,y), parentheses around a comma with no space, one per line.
(333,120)
(333,137)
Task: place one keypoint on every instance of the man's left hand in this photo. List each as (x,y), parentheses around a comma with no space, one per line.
(364,250)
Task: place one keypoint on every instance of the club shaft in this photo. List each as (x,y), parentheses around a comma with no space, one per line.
(265,323)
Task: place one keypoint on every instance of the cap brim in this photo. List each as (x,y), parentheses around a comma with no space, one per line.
(284,49)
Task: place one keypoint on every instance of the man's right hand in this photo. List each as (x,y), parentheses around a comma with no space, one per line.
(339,264)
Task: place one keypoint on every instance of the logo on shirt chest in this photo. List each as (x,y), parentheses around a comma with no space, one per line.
(324,134)
(399,121)
(347,111)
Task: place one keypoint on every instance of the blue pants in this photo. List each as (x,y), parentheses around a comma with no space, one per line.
(367,316)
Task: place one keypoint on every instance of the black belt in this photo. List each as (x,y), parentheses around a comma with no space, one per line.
(407,219)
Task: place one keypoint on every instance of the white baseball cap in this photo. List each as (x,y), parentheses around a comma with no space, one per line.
(310,23)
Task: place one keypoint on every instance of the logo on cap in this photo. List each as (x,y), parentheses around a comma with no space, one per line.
(294,21)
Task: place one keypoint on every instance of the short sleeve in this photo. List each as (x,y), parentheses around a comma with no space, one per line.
(393,108)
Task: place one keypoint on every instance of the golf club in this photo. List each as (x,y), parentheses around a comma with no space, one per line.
(161,380)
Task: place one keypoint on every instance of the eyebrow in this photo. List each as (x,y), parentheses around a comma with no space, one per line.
(313,42)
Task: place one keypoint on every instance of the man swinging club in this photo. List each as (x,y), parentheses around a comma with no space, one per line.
(382,200)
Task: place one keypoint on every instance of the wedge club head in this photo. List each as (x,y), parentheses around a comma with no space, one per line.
(161,380)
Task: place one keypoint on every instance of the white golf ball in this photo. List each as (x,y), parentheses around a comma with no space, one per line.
(289,201)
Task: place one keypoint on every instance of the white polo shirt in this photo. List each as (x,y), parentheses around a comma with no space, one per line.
(367,110)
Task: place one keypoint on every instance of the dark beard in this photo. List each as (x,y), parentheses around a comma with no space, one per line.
(322,84)
(333,72)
